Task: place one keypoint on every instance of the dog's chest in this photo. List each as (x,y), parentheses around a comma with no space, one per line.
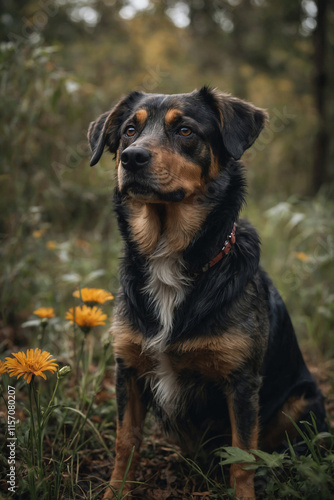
(167,285)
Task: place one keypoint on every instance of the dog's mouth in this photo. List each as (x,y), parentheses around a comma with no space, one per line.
(143,191)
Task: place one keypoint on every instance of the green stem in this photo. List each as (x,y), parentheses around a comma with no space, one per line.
(81,426)
(32,423)
(39,440)
(46,413)
(44,325)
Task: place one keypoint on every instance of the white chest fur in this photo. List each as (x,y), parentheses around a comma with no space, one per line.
(167,288)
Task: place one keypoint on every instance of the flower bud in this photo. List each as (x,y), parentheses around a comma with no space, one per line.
(65,370)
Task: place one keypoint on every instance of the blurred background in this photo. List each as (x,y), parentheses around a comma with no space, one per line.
(64,62)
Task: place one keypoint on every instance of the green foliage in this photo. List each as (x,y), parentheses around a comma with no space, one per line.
(298,241)
(47,186)
(289,475)
(277,475)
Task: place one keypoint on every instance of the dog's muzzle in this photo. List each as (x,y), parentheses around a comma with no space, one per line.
(139,182)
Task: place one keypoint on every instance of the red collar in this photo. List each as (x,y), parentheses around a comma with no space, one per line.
(224,251)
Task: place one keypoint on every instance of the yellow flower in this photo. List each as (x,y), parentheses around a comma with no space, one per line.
(93,295)
(302,256)
(86,317)
(32,363)
(51,245)
(3,368)
(38,233)
(45,312)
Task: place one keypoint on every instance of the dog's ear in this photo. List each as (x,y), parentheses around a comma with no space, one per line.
(241,122)
(105,131)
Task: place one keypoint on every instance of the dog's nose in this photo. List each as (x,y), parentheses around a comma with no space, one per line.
(134,158)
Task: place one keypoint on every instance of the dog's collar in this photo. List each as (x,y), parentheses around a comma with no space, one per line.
(230,240)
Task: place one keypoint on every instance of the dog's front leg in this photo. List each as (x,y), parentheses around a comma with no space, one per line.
(243,412)
(130,422)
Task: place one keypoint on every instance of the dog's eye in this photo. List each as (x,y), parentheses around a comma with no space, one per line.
(130,131)
(185,131)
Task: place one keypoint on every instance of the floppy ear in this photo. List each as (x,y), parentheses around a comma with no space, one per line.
(105,131)
(241,122)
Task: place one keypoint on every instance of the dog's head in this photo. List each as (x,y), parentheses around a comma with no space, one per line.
(168,147)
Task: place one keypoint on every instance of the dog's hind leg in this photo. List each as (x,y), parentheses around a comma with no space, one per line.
(130,422)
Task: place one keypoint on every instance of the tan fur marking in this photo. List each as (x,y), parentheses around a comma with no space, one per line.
(141,116)
(242,480)
(128,345)
(145,225)
(232,340)
(174,172)
(183,221)
(172,115)
(275,432)
(214,166)
(216,357)
(129,435)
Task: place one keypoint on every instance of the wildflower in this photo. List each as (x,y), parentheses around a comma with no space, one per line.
(93,295)
(38,233)
(302,256)
(86,317)
(51,245)
(32,363)
(3,368)
(45,312)
(65,370)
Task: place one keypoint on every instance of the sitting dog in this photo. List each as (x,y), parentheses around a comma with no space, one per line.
(201,335)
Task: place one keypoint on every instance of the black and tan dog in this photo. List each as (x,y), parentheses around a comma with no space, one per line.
(200,333)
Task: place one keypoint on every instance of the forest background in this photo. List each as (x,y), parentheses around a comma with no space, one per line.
(64,62)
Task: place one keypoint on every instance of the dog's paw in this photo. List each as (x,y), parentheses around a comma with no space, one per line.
(112,491)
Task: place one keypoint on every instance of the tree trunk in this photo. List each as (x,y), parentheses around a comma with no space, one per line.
(320,83)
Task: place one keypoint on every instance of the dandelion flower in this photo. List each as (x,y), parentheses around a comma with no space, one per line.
(45,312)
(33,363)
(93,295)
(86,317)
(3,368)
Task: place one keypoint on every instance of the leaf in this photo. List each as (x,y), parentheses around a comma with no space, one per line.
(233,455)
(279,211)
(31,322)
(270,459)
(71,277)
(296,219)
(95,274)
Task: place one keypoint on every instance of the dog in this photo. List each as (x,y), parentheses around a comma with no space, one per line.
(201,335)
